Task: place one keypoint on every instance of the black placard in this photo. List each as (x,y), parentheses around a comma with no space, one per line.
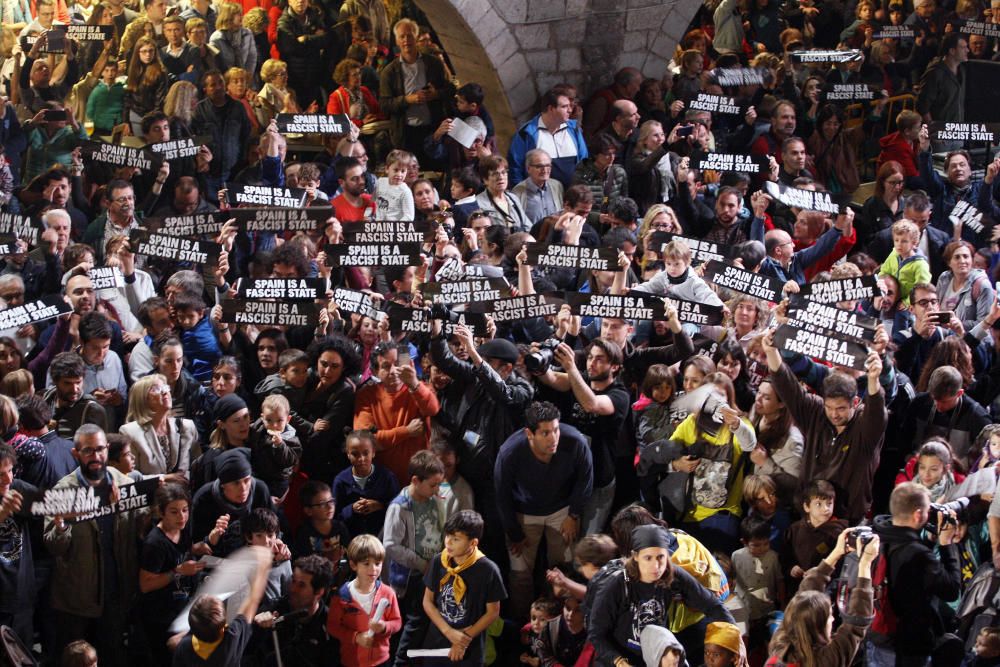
(731,77)
(277,220)
(121,156)
(557,255)
(265,195)
(894,32)
(353,301)
(720,104)
(106,277)
(174,248)
(968,215)
(825,347)
(20,227)
(746,164)
(757,285)
(826,318)
(849,92)
(415,320)
(633,306)
(85,503)
(692,312)
(701,251)
(90,33)
(389,231)
(32,312)
(199,224)
(271,313)
(828,56)
(55,40)
(284,289)
(980,28)
(313,123)
(178,148)
(804,199)
(519,307)
(466,291)
(373,254)
(481,271)
(845,289)
(947,131)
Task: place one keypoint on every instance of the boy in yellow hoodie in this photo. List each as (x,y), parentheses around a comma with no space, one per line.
(906,263)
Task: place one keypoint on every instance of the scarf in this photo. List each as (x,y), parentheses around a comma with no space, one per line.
(459,585)
(204,649)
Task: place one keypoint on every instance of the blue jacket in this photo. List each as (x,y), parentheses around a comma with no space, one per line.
(800,260)
(526,139)
(202,348)
(381,486)
(944,197)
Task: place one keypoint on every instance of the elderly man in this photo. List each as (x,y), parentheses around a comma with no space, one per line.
(41,269)
(119,218)
(554,132)
(540,195)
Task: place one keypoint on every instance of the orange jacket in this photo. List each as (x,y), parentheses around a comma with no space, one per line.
(374,407)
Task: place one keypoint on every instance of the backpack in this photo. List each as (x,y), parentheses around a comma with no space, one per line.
(695,559)
(12,651)
(885,619)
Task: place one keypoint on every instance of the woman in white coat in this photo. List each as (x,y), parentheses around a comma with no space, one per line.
(161,444)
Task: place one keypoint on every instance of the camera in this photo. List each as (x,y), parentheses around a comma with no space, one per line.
(441,311)
(951,513)
(540,361)
(859,537)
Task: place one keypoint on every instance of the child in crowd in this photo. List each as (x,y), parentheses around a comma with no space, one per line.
(654,422)
(309,180)
(320,533)
(464,185)
(660,648)
(677,279)
(469,102)
(79,654)
(364,490)
(463,593)
(455,491)
(564,637)
(985,452)
(274,448)
(393,198)
(543,610)
(758,577)
(906,263)
(261,530)
(760,493)
(290,380)
(198,338)
(120,456)
(724,646)
(931,468)
(364,614)
(986,652)
(813,537)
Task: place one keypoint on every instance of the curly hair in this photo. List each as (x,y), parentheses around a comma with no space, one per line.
(346,348)
(952,351)
(342,73)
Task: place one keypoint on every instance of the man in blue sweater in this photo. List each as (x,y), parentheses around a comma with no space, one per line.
(543,476)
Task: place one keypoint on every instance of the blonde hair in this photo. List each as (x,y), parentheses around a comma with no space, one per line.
(138,398)
(256,20)
(677,249)
(399,156)
(234,73)
(364,547)
(645,130)
(227,12)
(17,382)
(754,484)
(845,270)
(178,101)
(270,69)
(275,403)
(8,412)
(905,226)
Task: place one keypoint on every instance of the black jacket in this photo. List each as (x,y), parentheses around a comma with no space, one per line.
(305,58)
(392,94)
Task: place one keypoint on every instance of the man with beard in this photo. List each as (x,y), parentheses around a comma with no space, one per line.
(119,219)
(303,639)
(234,492)
(621,131)
(71,408)
(353,204)
(96,567)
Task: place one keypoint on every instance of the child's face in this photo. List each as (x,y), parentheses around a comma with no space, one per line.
(321,507)
(262,539)
(462,105)
(458,191)
(188,318)
(572,612)
(109,73)
(308,184)
(396,173)
(693,378)
(295,375)
(449,461)
(175,515)
(662,393)
(986,646)
(274,420)
(930,470)
(819,510)
(765,503)
(538,620)
(865,12)
(360,454)
(758,547)
(459,546)
(675,267)
(995,446)
(903,244)
(125,463)
(425,489)
(716,656)
(367,570)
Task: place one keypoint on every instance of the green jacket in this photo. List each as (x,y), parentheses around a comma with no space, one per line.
(909,272)
(76,581)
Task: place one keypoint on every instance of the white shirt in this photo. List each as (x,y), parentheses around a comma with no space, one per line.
(557,145)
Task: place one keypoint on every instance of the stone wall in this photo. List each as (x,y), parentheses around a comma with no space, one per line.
(519,48)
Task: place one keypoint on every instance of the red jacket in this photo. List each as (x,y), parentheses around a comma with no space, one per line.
(347,618)
(909,473)
(896,147)
(339,102)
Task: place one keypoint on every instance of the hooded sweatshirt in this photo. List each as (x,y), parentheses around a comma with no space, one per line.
(655,641)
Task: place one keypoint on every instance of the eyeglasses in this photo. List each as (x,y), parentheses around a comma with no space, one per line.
(12,295)
(499,172)
(158,390)
(924,303)
(324,503)
(894,181)
(540,166)
(90,451)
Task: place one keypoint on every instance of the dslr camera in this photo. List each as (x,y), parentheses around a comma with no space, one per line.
(951,514)
(859,537)
(540,361)
(443,312)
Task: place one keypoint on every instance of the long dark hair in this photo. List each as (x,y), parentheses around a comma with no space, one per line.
(772,437)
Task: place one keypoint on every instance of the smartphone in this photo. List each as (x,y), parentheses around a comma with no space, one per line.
(942,317)
(55,115)
(685,131)
(404,359)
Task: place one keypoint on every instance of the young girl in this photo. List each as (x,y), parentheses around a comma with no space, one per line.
(146,86)
(655,422)
(394,198)
(985,451)
(693,374)
(931,468)
(362,491)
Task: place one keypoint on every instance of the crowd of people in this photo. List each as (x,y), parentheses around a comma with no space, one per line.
(599,412)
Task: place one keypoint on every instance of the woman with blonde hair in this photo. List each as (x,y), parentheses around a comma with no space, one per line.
(658,218)
(17,383)
(146,85)
(182,98)
(235,44)
(161,445)
(274,96)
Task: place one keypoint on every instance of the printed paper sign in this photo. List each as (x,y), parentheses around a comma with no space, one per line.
(373,254)
(121,156)
(199,224)
(386,231)
(738,76)
(271,313)
(20,227)
(828,56)
(846,289)
(715,103)
(624,307)
(284,289)
(174,247)
(466,291)
(279,220)
(519,307)
(701,251)
(849,92)
(986,132)
(463,133)
(88,503)
(894,32)
(416,320)
(824,318)
(179,148)
(480,271)
(572,256)
(757,285)
(824,347)
(265,195)
(33,312)
(968,216)
(313,123)
(692,312)
(55,42)
(804,199)
(353,301)
(106,277)
(731,162)
(90,33)
(981,28)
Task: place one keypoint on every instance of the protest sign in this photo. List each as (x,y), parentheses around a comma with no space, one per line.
(417,320)
(20,227)
(278,220)
(894,32)
(557,255)
(738,76)
(8,249)
(174,248)
(353,301)
(199,224)
(373,254)
(849,92)
(463,133)
(178,148)
(121,156)
(828,56)
(55,40)
(804,199)
(285,289)
(824,318)
(701,251)
(87,503)
(466,291)
(265,195)
(986,132)
(827,347)
(731,162)
(715,104)
(845,289)
(313,123)
(991,30)
(757,285)
(33,312)
(635,306)
(271,313)
(106,277)
(692,312)
(388,231)
(90,33)
(482,271)
(518,307)
(968,216)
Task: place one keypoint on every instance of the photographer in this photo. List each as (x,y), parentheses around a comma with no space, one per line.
(919,582)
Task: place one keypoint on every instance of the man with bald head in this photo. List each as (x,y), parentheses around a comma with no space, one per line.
(598,113)
(621,131)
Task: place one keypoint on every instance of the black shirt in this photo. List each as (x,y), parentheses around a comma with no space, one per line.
(602,430)
(160,555)
(229,653)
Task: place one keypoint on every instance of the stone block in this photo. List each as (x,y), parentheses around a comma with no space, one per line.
(635,59)
(547,80)
(513,70)
(663,45)
(576,7)
(542,61)
(533,36)
(512,11)
(570,32)
(488,26)
(546,10)
(635,40)
(569,59)
(522,98)
(644,19)
(502,47)
(655,66)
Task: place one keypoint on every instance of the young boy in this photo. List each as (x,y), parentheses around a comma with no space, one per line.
(414,525)
(363,490)
(469,102)
(394,200)
(724,646)
(261,530)
(758,576)
(543,610)
(677,279)
(211,640)
(309,179)
(986,652)
(906,263)
(813,537)
(104,104)
(320,533)
(120,456)
(364,614)
(198,339)
(761,494)
(463,592)
(290,382)
(564,637)
(454,489)
(274,448)
(465,183)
